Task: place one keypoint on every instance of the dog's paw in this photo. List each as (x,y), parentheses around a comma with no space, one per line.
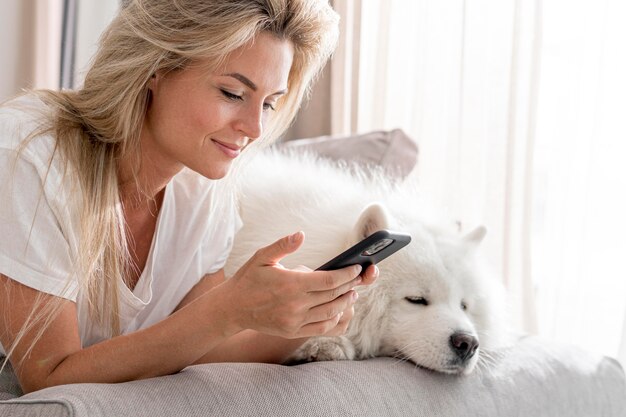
(334,350)
(323,349)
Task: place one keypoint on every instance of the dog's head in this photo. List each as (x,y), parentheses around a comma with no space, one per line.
(432,304)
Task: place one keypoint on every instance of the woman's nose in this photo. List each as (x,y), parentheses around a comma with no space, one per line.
(250,122)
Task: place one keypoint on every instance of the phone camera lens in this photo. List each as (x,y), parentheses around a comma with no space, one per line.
(377,247)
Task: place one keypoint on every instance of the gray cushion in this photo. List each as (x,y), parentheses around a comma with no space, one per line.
(9,386)
(535,378)
(393,151)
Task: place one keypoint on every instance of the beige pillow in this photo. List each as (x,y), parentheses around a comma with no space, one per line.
(392,150)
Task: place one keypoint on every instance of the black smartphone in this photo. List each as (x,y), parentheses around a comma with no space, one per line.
(370,250)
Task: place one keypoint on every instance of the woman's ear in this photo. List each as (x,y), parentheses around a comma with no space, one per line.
(152,82)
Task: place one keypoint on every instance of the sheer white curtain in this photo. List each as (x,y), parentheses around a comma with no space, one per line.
(46,36)
(31,53)
(518,108)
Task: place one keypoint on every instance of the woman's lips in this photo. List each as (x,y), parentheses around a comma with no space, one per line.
(229,149)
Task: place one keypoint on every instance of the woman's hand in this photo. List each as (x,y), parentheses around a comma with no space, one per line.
(293,303)
(369,277)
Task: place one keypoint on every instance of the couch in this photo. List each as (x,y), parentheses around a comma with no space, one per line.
(534,377)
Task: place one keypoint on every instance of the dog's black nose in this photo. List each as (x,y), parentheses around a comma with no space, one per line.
(464,345)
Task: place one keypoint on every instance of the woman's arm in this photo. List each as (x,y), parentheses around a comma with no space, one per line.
(57,357)
(262,296)
(245,346)
(253,346)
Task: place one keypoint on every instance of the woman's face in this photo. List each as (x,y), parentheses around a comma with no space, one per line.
(203,121)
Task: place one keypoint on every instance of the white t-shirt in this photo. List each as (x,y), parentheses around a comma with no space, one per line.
(39,229)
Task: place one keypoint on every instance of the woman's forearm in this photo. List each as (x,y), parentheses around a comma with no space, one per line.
(164,348)
(246,346)
(252,346)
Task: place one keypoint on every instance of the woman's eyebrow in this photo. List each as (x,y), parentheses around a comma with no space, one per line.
(248,83)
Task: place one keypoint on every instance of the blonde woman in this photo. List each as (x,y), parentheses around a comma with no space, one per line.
(115,220)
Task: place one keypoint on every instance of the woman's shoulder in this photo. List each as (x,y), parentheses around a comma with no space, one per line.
(23,123)
(25,109)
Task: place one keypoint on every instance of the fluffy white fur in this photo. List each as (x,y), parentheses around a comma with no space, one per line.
(337,205)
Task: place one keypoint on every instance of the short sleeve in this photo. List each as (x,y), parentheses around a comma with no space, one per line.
(219,241)
(34,250)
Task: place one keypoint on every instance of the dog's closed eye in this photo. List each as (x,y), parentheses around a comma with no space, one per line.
(417,300)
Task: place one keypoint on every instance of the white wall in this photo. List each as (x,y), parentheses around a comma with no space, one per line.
(93,17)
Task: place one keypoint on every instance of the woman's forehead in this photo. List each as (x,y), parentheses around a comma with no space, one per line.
(261,64)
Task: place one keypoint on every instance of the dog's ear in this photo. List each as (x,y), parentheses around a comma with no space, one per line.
(476,236)
(373,218)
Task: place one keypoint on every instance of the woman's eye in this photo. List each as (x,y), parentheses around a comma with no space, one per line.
(231,96)
(417,300)
(235,97)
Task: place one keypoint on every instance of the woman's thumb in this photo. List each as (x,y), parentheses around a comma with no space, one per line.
(273,253)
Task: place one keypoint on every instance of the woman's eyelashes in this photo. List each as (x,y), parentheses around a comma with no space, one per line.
(230,95)
(235,97)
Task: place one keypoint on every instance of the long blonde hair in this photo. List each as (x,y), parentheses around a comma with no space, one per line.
(101,121)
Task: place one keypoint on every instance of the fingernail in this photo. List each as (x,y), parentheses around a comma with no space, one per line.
(355,296)
(358,269)
(295,237)
(376,271)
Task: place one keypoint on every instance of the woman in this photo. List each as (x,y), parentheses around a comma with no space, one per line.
(114,226)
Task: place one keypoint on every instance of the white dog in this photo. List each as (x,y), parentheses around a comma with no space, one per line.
(432,304)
